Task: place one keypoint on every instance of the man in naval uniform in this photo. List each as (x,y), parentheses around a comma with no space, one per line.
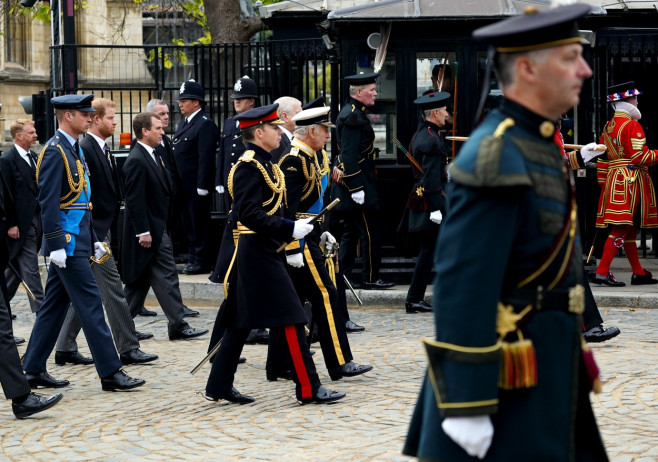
(258,189)
(69,240)
(357,187)
(509,374)
(306,169)
(426,202)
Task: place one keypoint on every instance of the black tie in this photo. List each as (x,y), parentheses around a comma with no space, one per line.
(106,150)
(76,148)
(184,122)
(31,156)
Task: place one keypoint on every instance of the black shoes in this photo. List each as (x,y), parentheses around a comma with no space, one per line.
(609,281)
(35,403)
(144,312)
(242,360)
(272,376)
(350,326)
(418,307)
(600,334)
(143,335)
(322,396)
(120,381)
(350,369)
(18,340)
(258,336)
(73,357)
(44,379)
(193,268)
(188,313)
(187,333)
(233,396)
(136,356)
(378,284)
(646,278)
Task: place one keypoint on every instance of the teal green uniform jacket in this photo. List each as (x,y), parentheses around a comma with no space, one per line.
(511,200)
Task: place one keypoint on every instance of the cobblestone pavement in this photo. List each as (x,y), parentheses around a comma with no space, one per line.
(167,420)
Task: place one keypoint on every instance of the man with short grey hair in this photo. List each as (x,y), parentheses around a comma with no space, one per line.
(288,108)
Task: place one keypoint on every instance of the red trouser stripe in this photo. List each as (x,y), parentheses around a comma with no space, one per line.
(298,361)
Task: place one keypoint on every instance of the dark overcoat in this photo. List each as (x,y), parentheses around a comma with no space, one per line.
(107,195)
(148,206)
(260,292)
(20,197)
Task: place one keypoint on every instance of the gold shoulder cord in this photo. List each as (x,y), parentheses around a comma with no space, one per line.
(277,186)
(75,188)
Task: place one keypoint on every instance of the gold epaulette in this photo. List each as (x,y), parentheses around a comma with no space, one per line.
(278,186)
(503,127)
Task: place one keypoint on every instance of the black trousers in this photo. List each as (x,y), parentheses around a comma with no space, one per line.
(196,223)
(313,283)
(423,270)
(362,226)
(225,364)
(591,316)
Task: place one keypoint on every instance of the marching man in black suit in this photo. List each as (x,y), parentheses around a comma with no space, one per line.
(18,168)
(258,188)
(107,201)
(195,144)
(14,384)
(147,258)
(64,195)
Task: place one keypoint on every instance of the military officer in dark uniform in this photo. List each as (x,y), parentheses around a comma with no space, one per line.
(258,188)
(306,170)
(357,187)
(509,373)
(231,146)
(426,202)
(194,146)
(69,240)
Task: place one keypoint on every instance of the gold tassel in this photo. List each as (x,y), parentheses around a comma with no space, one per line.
(518,365)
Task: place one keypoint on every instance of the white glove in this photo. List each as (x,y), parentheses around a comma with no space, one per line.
(202,192)
(99,250)
(302,228)
(58,257)
(296,260)
(436,216)
(591,150)
(472,434)
(220,189)
(327,241)
(359,197)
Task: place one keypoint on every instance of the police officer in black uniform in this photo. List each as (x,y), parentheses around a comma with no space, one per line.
(258,188)
(194,146)
(231,146)
(357,186)
(426,202)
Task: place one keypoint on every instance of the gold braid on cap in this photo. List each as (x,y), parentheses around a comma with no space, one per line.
(75,189)
(278,186)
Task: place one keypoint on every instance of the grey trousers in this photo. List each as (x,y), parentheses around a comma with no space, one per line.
(116,307)
(27,264)
(162,276)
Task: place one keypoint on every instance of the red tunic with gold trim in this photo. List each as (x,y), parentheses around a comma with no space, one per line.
(626,187)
